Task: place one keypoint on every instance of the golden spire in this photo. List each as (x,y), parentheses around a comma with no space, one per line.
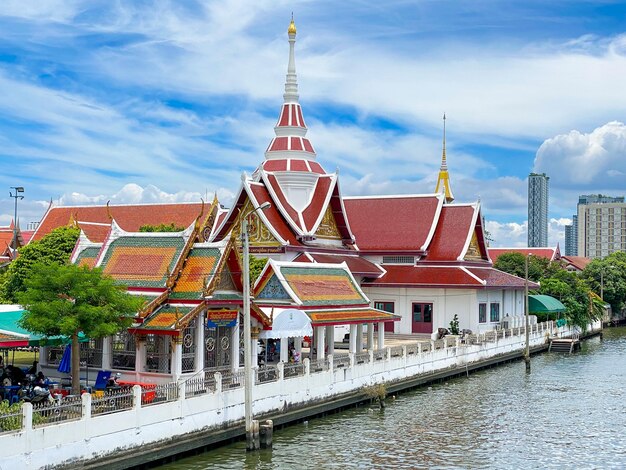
(443,181)
(292,26)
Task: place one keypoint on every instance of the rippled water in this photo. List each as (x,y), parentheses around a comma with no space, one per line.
(570,411)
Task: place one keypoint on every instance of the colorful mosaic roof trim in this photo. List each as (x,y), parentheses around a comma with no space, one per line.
(142,261)
(165,318)
(349,315)
(326,286)
(199,269)
(88,257)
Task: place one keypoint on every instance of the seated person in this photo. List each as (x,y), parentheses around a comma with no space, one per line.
(41,380)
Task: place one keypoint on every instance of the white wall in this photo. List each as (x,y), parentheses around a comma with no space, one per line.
(99,436)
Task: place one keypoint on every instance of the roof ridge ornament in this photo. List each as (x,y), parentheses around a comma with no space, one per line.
(443,181)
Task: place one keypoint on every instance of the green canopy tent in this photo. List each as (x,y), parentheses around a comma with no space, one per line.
(14,336)
(545,305)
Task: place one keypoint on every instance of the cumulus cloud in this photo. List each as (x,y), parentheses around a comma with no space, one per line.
(514,235)
(593,161)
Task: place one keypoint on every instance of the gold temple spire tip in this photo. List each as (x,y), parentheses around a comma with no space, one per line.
(292,26)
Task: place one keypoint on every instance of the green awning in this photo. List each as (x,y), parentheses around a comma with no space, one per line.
(16,336)
(544,304)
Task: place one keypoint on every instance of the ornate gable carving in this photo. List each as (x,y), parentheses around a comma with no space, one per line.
(273,290)
(473,251)
(328,226)
(258,233)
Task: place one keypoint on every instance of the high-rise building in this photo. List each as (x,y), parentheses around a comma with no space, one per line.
(538,209)
(571,237)
(600,225)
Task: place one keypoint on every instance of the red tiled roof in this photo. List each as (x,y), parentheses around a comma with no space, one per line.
(27,235)
(129,217)
(292,164)
(578,262)
(96,233)
(548,253)
(357,265)
(392,223)
(455,225)
(495,278)
(6,239)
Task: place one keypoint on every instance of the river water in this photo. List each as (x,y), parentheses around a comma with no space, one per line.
(570,411)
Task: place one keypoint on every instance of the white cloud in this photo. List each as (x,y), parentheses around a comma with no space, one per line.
(592,160)
(512,234)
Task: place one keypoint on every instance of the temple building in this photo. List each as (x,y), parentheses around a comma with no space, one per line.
(370,265)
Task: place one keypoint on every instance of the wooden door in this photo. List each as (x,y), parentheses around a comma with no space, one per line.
(422,318)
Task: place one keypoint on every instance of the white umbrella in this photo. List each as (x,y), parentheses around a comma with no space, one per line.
(290,323)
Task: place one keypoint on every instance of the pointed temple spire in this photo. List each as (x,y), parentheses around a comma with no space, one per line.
(443,182)
(290,130)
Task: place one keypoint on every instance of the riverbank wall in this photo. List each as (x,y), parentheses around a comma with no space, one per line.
(199,413)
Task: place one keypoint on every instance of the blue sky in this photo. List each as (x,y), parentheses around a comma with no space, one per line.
(149,101)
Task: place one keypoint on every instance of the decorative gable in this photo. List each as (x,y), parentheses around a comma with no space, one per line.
(473,251)
(328,226)
(273,290)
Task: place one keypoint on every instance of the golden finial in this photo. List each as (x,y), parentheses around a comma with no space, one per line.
(292,26)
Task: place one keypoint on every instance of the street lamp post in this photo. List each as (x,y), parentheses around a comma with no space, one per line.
(247,337)
(16,196)
(527,350)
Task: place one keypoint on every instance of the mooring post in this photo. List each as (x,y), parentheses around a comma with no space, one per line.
(267,434)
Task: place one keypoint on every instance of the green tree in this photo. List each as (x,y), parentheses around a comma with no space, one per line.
(66,300)
(55,247)
(161,228)
(256,266)
(607,278)
(514,263)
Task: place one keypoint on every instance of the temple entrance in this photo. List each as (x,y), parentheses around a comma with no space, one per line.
(217,347)
(422,318)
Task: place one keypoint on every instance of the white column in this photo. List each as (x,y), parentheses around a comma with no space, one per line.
(359,337)
(43,356)
(298,344)
(140,356)
(370,336)
(177,361)
(255,350)
(319,341)
(381,335)
(284,349)
(353,338)
(330,340)
(234,340)
(199,339)
(107,352)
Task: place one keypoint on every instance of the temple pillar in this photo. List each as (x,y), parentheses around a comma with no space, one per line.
(381,335)
(177,359)
(236,346)
(199,339)
(319,341)
(140,354)
(255,330)
(370,336)
(353,338)
(284,349)
(330,340)
(359,337)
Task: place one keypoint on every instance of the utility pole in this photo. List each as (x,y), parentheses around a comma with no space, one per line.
(251,442)
(16,196)
(527,350)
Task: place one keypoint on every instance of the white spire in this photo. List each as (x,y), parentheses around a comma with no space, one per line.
(291,84)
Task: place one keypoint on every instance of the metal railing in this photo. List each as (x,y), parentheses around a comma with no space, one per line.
(232,379)
(65,409)
(362,357)
(199,384)
(267,373)
(318,365)
(340,361)
(293,369)
(112,402)
(159,394)
(379,355)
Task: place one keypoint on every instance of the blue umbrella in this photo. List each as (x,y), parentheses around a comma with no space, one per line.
(65,366)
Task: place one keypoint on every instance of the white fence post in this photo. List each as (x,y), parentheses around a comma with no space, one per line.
(86,404)
(136,397)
